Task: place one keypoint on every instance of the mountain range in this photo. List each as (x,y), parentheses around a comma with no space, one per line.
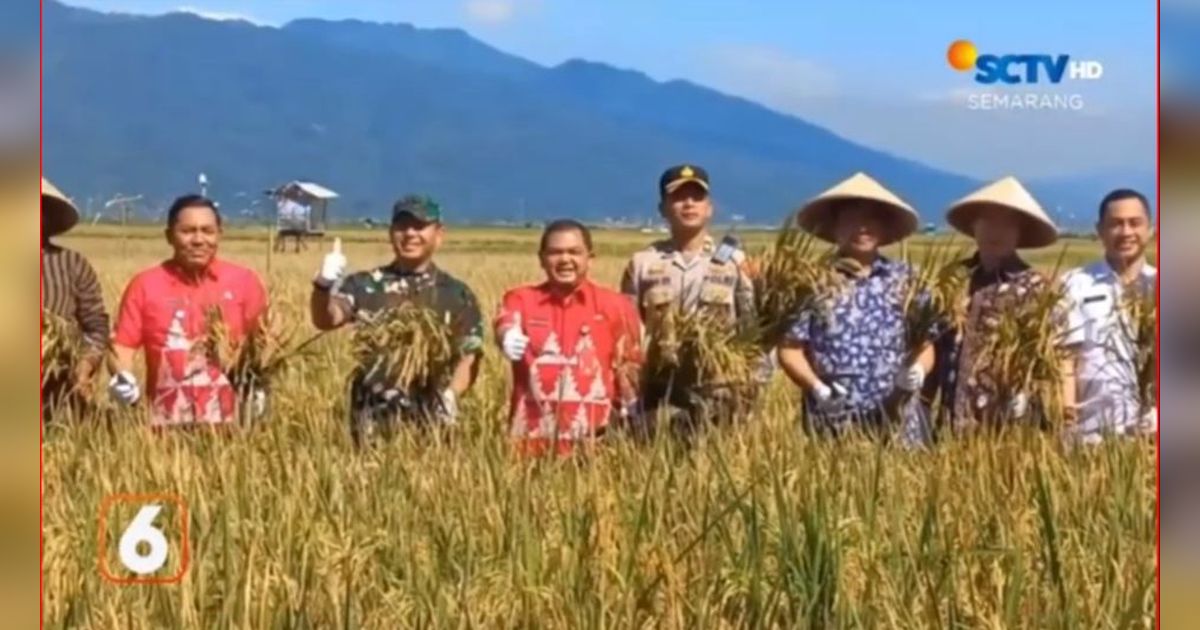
(142,104)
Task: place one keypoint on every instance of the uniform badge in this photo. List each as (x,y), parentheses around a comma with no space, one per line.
(658,296)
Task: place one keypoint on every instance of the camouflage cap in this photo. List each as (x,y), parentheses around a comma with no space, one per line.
(418,206)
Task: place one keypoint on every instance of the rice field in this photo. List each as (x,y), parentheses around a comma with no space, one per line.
(754,526)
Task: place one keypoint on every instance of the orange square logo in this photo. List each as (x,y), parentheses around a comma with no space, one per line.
(143,538)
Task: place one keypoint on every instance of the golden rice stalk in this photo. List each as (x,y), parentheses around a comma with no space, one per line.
(260,357)
(410,348)
(217,345)
(935,295)
(700,351)
(789,276)
(1023,352)
(934,304)
(62,346)
(1139,325)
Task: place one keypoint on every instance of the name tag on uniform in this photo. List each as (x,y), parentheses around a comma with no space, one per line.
(716,294)
(658,296)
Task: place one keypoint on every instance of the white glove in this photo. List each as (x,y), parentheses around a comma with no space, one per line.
(514,342)
(911,379)
(123,387)
(1018,406)
(828,398)
(448,413)
(258,403)
(332,267)
(1149,422)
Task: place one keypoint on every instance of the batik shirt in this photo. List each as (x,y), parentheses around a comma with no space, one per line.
(968,388)
(580,367)
(71,291)
(164,311)
(856,338)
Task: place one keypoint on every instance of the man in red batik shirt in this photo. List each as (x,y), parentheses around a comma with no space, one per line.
(164,312)
(575,348)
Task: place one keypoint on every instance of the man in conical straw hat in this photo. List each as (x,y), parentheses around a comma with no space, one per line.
(70,291)
(1001,217)
(847,353)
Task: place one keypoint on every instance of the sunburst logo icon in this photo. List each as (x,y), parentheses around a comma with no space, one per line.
(962,55)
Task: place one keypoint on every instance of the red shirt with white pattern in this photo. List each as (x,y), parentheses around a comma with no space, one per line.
(163,311)
(581,364)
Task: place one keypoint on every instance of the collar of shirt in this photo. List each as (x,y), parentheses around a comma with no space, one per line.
(396,270)
(581,294)
(881,266)
(1101,271)
(676,255)
(981,278)
(211,271)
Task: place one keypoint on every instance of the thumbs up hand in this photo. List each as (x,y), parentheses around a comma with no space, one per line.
(332,267)
(515,342)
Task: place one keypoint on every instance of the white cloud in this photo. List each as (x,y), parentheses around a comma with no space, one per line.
(490,11)
(220,16)
(769,75)
(952,96)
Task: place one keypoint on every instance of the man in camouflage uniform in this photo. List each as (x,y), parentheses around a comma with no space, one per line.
(693,272)
(416,233)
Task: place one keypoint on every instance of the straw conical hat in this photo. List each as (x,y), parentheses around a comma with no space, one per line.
(58,213)
(817,216)
(1037,230)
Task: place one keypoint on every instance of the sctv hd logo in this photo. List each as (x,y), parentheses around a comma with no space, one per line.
(1016,69)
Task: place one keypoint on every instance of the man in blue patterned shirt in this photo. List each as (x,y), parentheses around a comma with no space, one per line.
(849,352)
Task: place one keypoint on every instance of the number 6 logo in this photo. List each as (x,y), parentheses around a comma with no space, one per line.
(143,547)
(142,530)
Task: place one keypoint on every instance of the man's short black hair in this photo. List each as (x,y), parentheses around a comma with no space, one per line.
(1122,194)
(190,201)
(566,225)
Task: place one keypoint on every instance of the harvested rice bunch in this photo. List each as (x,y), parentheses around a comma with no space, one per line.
(1024,352)
(217,345)
(62,346)
(410,348)
(700,351)
(935,296)
(789,276)
(1139,326)
(265,352)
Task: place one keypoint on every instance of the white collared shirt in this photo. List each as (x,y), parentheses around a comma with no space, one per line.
(1106,379)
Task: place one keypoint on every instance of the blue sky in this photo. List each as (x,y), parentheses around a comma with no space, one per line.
(873,71)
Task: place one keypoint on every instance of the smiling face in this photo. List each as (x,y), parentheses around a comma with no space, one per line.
(1124,229)
(414,241)
(997,232)
(687,208)
(565,257)
(194,235)
(859,229)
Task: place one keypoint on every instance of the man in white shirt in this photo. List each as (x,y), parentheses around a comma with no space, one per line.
(1102,354)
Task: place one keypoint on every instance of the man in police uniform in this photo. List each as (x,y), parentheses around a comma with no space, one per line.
(416,233)
(692,271)
(1105,382)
